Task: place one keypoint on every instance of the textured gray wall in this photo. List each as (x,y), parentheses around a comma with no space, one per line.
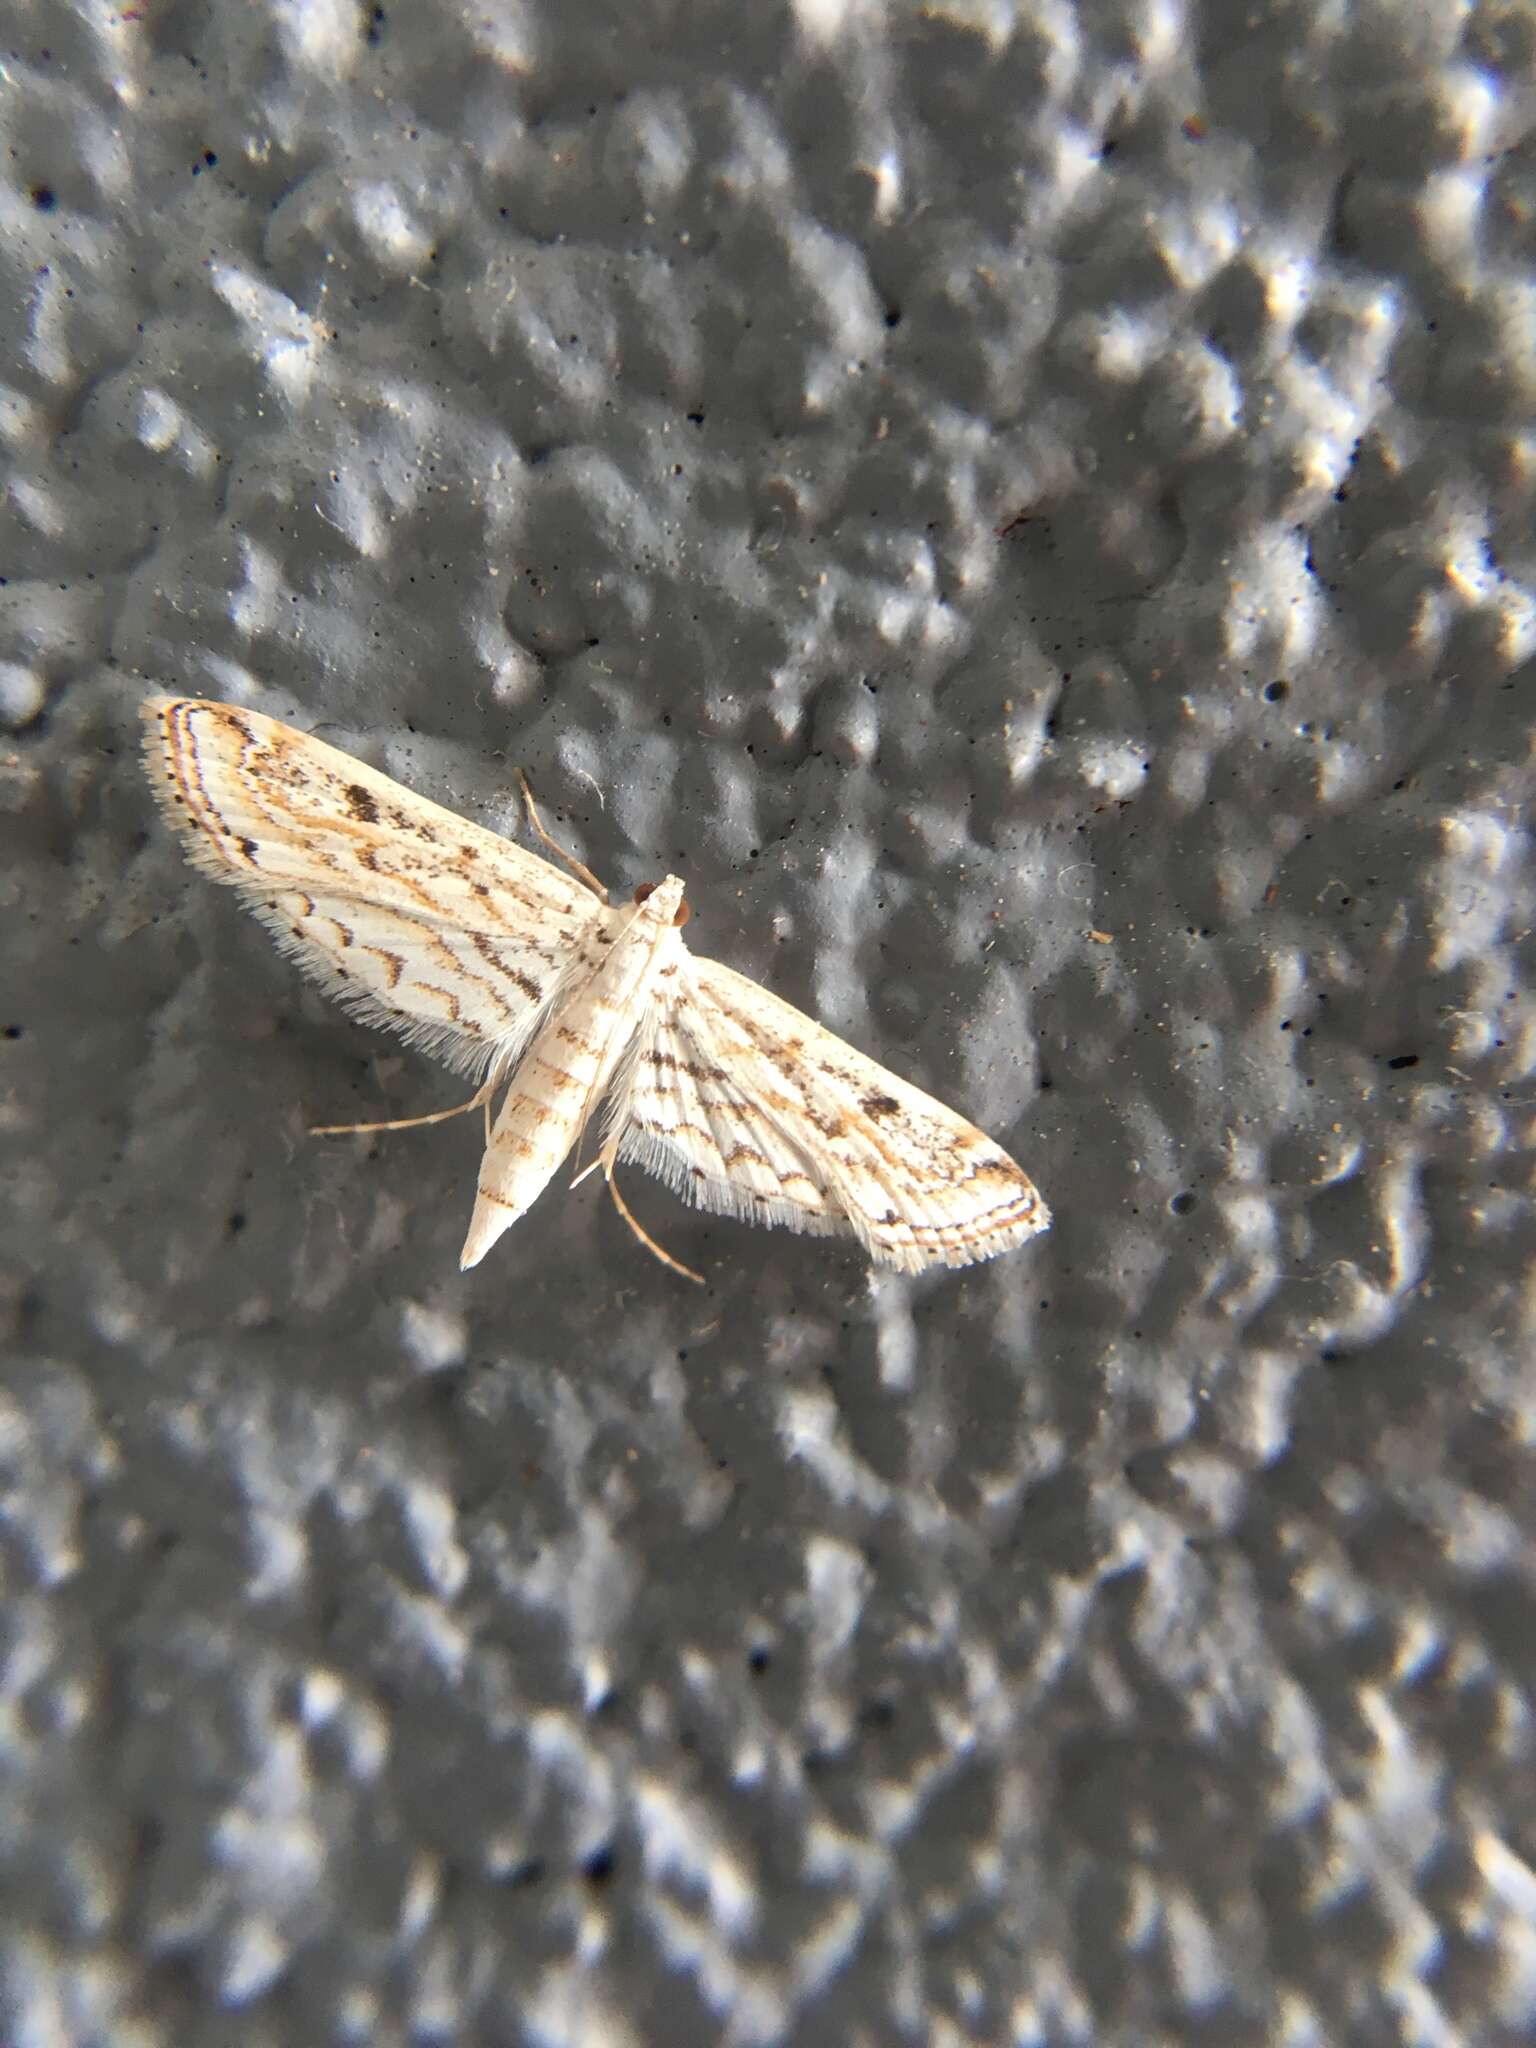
(1129,1641)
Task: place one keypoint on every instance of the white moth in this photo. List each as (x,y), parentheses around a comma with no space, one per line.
(529,982)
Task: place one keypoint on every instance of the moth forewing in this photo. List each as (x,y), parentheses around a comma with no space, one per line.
(747,1106)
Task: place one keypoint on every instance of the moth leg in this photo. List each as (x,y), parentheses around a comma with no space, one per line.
(610,1153)
(481,1097)
(578,868)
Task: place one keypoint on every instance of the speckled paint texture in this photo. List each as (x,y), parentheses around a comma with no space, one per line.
(1030,510)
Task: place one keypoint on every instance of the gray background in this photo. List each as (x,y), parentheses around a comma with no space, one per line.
(1128,1641)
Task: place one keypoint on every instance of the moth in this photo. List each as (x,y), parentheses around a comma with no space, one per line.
(532,983)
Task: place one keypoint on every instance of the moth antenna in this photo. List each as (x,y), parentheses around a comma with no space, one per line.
(578,868)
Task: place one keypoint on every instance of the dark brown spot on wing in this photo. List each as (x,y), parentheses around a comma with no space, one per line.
(877,1105)
(361,805)
(488,952)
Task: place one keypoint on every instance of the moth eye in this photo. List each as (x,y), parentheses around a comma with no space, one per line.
(683,913)
(644,890)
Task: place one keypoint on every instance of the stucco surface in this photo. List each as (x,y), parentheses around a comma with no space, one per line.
(1029,509)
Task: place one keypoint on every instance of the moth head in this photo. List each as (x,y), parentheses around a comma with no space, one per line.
(671,887)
